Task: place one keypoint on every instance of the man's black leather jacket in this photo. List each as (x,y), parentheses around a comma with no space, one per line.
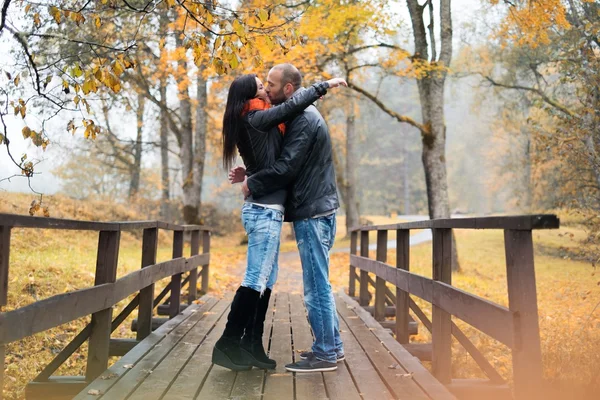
(305,168)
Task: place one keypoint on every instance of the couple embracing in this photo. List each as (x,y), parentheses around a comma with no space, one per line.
(286,148)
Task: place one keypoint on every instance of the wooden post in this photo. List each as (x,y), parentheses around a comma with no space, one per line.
(352,272)
(363,298)
(441,320)
(205,268)
(149,249)
(193,283)
(106,272)
(522,299)
(382,238)
(4,260)
(402,297)
(175,300)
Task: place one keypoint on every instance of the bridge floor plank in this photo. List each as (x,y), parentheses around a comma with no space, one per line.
(174,362)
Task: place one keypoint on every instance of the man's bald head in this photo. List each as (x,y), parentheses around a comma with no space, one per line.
(289,74)
(283,80)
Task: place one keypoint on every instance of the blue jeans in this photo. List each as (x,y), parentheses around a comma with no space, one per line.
(263,227)
(315,237)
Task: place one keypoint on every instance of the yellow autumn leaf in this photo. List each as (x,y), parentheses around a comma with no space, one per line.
(117,67)
(76,71)
(234,61)
(87,87)
(98,22)
(26,132)
(27,8)
(263,15)
(36,20)
(17,80)
(55,13)
(238,28)
(76,100)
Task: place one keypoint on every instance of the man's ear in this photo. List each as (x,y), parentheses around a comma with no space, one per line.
(288,89)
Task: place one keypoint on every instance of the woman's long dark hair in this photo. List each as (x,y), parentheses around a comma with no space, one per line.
(242,89)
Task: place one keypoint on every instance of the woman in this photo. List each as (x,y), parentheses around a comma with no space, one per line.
(256,131)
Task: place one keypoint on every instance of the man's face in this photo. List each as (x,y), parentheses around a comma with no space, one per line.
(276,90)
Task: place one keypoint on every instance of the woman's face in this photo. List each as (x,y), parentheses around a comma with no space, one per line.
(260,92)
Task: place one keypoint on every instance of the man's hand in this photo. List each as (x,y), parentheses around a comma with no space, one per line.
(245,189)
(237,175)
(335,82)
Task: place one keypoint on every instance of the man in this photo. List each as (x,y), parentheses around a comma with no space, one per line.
(305,167)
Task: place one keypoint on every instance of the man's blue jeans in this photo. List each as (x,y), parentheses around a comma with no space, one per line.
(315,237)
(263,227)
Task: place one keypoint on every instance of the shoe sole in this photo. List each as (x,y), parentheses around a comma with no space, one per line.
(257,363)
(220,358)
(323,369)
(337,359)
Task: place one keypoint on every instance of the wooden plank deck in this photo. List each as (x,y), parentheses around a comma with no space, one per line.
(174,362)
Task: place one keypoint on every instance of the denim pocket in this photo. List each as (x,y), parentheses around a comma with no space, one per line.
(249,219)
(327,230)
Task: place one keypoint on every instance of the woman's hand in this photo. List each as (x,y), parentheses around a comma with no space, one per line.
(335,82)
(237,175)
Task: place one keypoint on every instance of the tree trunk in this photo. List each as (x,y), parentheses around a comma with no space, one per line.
(190,205)
(200,140)
(137,151)
(351,200)
(431,93)
(405,177)
(165,181)
(164,154)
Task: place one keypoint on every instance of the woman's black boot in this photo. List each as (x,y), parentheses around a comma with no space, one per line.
(227,351)
(252,342)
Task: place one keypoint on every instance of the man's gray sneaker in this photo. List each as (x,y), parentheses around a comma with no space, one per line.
(311,364)
(307,354)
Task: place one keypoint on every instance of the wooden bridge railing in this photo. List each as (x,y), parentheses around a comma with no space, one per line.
(99,300)
(516,326)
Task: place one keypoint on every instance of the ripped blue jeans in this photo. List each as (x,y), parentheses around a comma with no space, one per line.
(263,227)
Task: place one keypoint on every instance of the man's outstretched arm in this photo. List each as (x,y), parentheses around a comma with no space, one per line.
(296,144)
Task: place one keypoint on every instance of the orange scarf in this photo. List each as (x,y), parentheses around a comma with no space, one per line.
(259,104)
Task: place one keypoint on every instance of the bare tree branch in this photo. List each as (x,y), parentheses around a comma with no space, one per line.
(401,118)
(536,91)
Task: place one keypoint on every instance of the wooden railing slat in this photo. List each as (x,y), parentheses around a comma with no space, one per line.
(175,299)
(519,222)
(382,239)
(193,276)
(364,297)
(106,272)
(441,320)
(522,299)
(352,273)
(205,265)
(146,301)
(402,297)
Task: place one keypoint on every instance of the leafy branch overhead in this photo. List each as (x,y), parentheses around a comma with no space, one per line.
(71,52)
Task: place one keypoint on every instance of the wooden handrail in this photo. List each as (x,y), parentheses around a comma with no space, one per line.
(518,222)
(493,319)
(516,326)
(57,310)
(98,300)
(26,221)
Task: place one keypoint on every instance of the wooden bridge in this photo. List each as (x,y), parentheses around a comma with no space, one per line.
(170,358)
